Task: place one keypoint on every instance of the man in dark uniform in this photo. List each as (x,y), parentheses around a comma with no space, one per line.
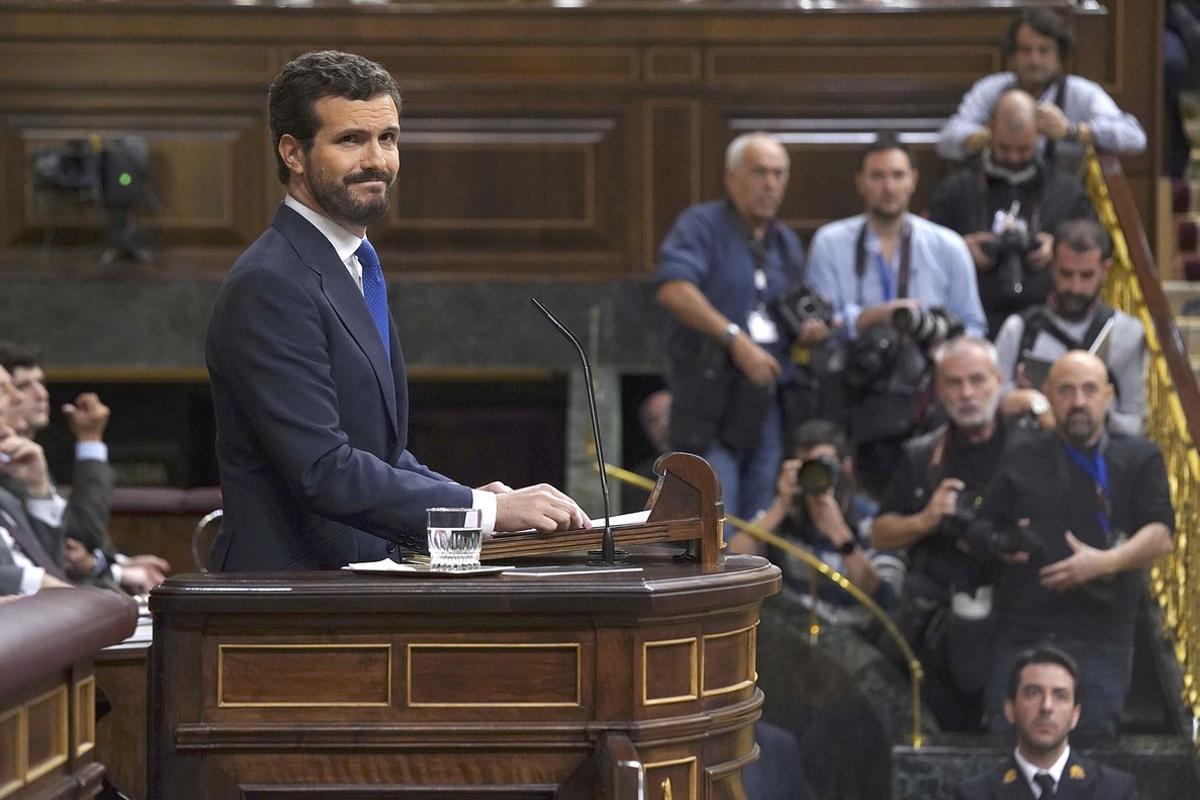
(1043,708)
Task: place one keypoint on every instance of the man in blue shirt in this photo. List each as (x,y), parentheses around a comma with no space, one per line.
(871,265)
(720,268)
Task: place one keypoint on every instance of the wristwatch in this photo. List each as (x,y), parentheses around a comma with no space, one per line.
(1038,404)
(847,547)
(731,332)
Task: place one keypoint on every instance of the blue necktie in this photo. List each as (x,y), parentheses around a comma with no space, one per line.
(375,292)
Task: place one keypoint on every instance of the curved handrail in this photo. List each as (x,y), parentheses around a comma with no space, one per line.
(1173,403)
(915,670)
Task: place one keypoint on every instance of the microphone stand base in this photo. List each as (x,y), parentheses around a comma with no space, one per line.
(597,558)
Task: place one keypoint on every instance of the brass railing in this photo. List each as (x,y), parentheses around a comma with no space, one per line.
(1173,412)
(819,567)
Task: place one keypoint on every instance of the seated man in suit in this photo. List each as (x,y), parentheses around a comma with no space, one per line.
(307,376)
(29,560)
(1043,707)
(81,519)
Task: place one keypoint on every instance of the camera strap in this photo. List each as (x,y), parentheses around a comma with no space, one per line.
(885,273)
(1060,97)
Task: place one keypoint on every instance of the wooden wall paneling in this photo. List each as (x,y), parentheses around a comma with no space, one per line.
(528,190)
(102,66)
(488,65)
(671,154)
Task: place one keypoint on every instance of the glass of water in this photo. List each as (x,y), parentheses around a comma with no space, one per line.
(455,537)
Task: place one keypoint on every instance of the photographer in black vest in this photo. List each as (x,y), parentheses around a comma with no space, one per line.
(929,506)
(1006,207)
(1075,318)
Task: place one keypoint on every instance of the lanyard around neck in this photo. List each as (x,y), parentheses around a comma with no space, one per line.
(1096,467)
(885,274)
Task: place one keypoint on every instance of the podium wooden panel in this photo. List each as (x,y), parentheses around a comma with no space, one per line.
(48,690)
(333,684)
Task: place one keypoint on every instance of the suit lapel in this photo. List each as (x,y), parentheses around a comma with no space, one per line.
(345,298)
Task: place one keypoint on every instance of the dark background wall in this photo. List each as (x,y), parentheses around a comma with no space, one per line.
(545,150)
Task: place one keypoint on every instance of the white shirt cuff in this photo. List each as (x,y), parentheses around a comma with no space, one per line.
(486,503)
(31,580)
(48,509)
(91,451)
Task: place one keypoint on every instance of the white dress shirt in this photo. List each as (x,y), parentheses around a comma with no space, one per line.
(1029,770)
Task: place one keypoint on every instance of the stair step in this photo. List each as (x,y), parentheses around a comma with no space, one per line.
(1179,293)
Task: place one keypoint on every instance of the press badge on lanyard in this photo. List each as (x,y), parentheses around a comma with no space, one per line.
(759,324)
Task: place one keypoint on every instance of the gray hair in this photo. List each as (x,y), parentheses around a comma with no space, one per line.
(737,148)
(960,343)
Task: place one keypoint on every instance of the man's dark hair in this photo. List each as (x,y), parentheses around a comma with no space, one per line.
(19,356)
(1044,22)
(884,141)
(292,96)
(1042,654)
(816,432)
(1082,235)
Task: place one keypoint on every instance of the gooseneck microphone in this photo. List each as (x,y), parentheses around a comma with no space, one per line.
(608,552)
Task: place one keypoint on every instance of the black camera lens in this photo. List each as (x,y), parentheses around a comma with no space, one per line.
(817,475)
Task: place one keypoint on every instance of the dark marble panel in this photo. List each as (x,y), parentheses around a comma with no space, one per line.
(158,323)
(1163,766)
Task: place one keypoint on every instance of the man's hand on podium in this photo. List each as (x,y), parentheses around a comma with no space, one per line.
(541,507)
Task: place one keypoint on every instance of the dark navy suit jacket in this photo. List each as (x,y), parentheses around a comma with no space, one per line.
(1081,779)
(312,419)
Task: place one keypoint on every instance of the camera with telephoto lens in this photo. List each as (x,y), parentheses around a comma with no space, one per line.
(927,326)
(1013,242)
(796,307)
(818,475)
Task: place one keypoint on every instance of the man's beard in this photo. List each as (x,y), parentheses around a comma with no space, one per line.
(1012,174)
(975,421)
(339,202)
(1078,427)
(1070,305)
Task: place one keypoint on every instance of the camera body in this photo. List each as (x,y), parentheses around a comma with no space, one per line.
(797,306)
(1004,537)
(966,509)
(1013,242)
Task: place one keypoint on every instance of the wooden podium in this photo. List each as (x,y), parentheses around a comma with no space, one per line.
(341,685)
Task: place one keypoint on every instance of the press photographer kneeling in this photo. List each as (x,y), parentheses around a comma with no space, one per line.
(816,505)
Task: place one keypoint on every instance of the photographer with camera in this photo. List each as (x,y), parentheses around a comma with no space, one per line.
(722,267)
(1094,508)
(927,511)
(816,505)
(1075,318)
(872,266)
(1005,206)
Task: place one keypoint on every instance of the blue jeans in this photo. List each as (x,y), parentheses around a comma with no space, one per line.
(747,477)
(1105,669)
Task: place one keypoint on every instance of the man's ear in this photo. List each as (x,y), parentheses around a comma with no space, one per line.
(1008,710)
(292,152)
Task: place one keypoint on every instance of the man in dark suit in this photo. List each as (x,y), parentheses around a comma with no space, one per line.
(1043,708)
(308,380)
